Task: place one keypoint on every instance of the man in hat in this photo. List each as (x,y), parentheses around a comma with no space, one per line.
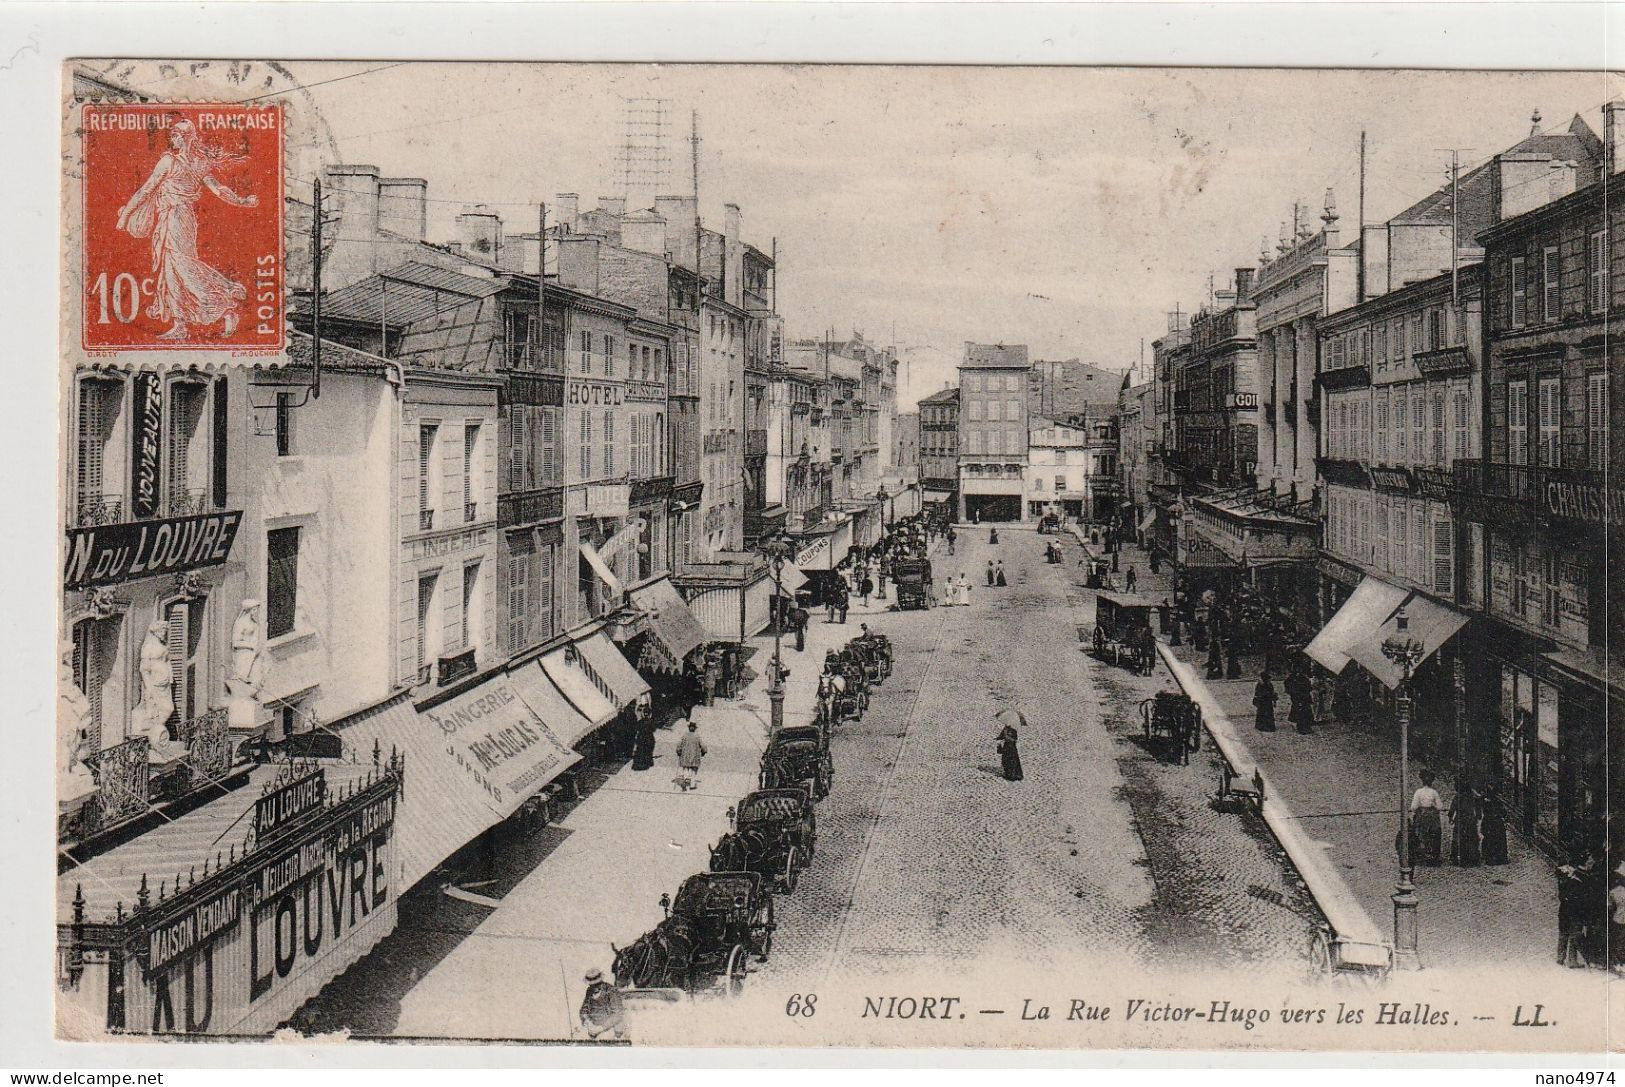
(602,1009)
(690,752)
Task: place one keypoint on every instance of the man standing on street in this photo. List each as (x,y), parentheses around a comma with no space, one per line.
(800,618)
(690,752)
(602,1010)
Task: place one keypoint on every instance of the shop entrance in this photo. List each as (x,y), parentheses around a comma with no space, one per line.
(993,507)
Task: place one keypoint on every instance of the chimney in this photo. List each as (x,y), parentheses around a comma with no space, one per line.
(612,205)
(1244,284)
(1520,183)
(1560,176)
(645,232)
(1328,219)
(403,206)
(567,207)
(1613,132)
(730,222)
(479,229)
(357,190)
(679,213)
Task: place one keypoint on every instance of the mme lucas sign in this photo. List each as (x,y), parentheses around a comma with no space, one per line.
(107,554)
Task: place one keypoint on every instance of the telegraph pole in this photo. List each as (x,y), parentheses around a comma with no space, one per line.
(1359,286)
(316,297)
(1455,213)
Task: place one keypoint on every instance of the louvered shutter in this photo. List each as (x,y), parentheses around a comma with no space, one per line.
(1597,421)
(1597,263)
(1519,292)
(1550,420)
(92,442)
(550,446)
(609,442)
(1518,422)
(425,453)
(176,637)
(586,444)
(1444,555)
(1549,283)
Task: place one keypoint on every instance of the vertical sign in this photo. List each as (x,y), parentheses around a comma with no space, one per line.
(149,411)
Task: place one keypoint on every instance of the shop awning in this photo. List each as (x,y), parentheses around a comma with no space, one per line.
(549,703)
(1147,521)
(674,627)
(1369,617)
(791,577)
(605,662)
(470,762)
(578,686)
(600,567)
(1429,622)
(1371,603)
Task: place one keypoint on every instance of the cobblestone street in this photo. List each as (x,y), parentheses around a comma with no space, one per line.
(928,856)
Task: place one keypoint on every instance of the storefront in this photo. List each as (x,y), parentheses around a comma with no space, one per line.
(819,554)
(286,885)
(674,633)
(731,600)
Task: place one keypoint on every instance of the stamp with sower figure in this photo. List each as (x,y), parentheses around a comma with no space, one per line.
(183,218)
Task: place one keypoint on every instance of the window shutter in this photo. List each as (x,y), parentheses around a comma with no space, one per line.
(609,442)
(1550,420)
(550,446)
(1419,544)
(518,600)
(1519,292)
(1444,555)
(425,453)
(92,438)
(1597,421)
(176,638)
(586,445)
(218,432)
(1549,283)
(1598,264)
(471,435)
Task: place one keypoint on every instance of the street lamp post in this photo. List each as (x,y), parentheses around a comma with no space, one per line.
(1407,652)
(885,506)
(777,549)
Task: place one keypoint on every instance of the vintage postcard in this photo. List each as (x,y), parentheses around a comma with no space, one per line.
(722,555)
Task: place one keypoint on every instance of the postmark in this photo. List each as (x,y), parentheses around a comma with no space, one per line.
(183,226)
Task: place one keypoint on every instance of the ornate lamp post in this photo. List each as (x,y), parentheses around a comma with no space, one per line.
(885,506)
(777,548)
(1407,652)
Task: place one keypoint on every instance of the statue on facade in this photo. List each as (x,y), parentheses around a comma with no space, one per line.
(247,679)
(74,780)
(157,706)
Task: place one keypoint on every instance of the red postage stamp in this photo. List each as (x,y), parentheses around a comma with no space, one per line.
(183,214)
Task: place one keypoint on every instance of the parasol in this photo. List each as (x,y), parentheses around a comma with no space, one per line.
(1010,716)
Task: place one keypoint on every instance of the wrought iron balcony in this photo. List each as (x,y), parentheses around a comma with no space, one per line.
(425,520)
(470,510)
(1494,489)
(107,509)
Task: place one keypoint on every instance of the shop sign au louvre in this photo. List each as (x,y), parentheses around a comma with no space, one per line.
(108,554)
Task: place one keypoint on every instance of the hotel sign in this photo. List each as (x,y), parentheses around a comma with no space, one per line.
(595,394)
(108,554)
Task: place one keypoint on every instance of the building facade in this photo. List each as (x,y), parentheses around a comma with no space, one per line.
(939,450)
(993,428)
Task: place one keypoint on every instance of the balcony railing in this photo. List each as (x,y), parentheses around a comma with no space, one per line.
(1566,494)
(528,507)
(470,511)
(425,520)
(107,509)
(93,511)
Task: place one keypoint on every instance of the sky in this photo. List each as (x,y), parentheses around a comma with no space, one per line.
(1069,209)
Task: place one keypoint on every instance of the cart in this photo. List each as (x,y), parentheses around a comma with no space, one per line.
(1119,618)
(913,578)
(1099,574)
(798,756)
(1049,523)
(774,834)
(715,924)
(1173,726)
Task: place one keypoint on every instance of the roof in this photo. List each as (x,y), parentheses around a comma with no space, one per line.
(946,396)
(335,356)
(987,356)
(409,293)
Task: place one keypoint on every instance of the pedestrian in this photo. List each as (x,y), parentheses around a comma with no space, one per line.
(603,1011)
(952,536)
(930,593)
(990,573)
(1154,561)
(829,604)
(1571,882)
(800,617)
(1492,829)
(1616,921)
(1425,823)
(964,590)
(1302,713)
(1215,662)
(880,583)
(1009,756)
(643,749)
(866,587)
(1464,850)
(844,601)
(1130,579)
(690,752)
(713,674)
(992,535)
(1264,703)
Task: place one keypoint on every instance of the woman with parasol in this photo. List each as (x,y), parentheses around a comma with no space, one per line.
(1009,756)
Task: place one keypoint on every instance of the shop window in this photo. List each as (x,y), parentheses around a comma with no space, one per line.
(281,580)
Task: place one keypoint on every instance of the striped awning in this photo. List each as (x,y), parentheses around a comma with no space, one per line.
(569,677)
(606,664)
(675,628)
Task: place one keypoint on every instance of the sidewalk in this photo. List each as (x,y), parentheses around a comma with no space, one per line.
(519,974)
(1339,790)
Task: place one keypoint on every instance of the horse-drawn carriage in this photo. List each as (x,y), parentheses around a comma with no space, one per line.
(874,653)
(799,755)
(1123,630)
(913,577)
(774,834)
(716,922)
(1173,726)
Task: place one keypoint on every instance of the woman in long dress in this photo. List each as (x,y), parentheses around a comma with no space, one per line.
(1426,828)
(186,290)
(1009,756)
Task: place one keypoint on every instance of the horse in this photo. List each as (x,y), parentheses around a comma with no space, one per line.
(659,959)
(738,850)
